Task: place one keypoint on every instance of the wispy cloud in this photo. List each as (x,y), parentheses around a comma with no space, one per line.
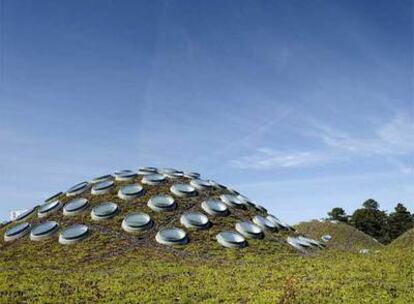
(392,139)
(266,158)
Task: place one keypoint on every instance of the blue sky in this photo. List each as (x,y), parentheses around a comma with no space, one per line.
(300,105)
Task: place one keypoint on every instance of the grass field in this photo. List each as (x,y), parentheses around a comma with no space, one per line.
(251,275)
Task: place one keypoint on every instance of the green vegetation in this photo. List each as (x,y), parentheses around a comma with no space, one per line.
(344,237)
(89,273)
(375,222)
(112,266)
(405,241)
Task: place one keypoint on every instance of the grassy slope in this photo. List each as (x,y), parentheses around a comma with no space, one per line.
(112,266)
(344,237)
(404,241)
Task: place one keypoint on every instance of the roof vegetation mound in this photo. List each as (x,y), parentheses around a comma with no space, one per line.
(92,219)
(338,235)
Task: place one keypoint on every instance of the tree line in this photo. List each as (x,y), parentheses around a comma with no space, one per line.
(377,223)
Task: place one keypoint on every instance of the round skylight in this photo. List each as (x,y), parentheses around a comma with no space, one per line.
(125,175)
(171,236)
(53,197)
(130,191)
(104,211)
(102,187)
(136,221)
(73,234)
(162,203)
(119,172)
(231,239)
(310,241)
(231,200)
(44,230)
(303,242)
(326,238)
(245,200)
(153,179)
(280,225)
(75,206)
(25,214)
(16,232)
(77,189)
(215,207)
(48,208)
(194,220)
(102,178)
(168,171)
(184,190)
(260,208)
(264,223)
(292,241)
(249,230)
(200,184)
(192,174)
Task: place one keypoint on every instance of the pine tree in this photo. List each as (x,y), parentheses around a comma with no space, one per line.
(371,220)
(338,214)
(399,221)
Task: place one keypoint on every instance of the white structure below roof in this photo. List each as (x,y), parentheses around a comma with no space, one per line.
(15,213)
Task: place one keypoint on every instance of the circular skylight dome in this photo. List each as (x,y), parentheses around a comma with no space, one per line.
(302,242)
(295,244)
(264,223)
(75,206)
(130,191)
(326,238)
(200,184)
(104,211)
(48,208)
(53,197)
(249,230)
(171,236)
(310,241)
(195,220)
(246,201)
(162,203)
(192,174)
(102,178)
(119,172)
(278,223)
(102,187)
(44,230)
(153,179)
(73,234)
(169,171)
(183,190)
(260,208)
(136,221)
(125,175)
(231,200)
(148,170)
(25,214)
(215,207)
(77,189)
(16,232)
(231,239)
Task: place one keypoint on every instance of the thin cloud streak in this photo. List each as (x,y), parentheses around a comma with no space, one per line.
(392,139)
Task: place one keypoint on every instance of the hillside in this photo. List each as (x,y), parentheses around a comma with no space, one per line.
(404,241)
(344,237)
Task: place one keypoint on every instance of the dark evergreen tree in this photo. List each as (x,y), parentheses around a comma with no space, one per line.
(338,214)
(371,220)
(371,204)
(399,221)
